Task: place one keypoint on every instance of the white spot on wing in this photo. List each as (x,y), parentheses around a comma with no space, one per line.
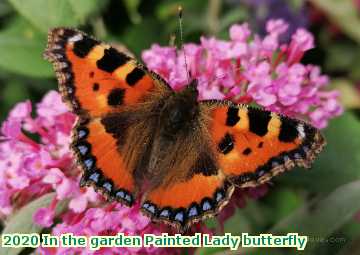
(76,38)
(300,129)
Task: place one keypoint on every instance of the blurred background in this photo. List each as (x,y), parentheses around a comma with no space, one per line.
(323,203)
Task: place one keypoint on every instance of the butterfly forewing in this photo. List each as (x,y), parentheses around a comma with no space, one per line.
(253,144)
(97,81)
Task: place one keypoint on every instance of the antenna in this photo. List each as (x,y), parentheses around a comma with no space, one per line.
(181,40)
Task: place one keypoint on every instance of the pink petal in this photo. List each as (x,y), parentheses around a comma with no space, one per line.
(44,217)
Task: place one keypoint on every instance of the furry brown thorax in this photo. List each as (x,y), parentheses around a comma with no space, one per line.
(179,111)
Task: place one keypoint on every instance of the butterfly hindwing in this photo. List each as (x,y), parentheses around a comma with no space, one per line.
(185,201)
(253,145)
(102,163)
(95,78)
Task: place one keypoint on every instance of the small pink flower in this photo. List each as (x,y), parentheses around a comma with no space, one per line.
(11,128)
(301,41)
(21,110)
(64,186)
(51,105)
(276,26)
(54,176)
(240,33)
(80,202)
(44,217)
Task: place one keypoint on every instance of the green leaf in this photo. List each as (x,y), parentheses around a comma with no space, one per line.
(281,201)
(85,8)
(5,8)
(344,14)
(45,14)
(13,92)
(350,98)
(321,218)
(21,48)
(132,7)
(338,164)
(22,221)
(240,222)
(341,56)
(141,36)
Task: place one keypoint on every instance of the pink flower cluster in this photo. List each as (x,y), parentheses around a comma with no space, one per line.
(248,68)
(26,161)
(35,160)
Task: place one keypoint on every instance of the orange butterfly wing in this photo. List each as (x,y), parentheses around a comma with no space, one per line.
(96,80)
(253,145)
(103,165)
(184,202)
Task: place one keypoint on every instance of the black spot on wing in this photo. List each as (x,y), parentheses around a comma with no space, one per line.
(247,151)
(134,76)
(116,124)
(84,46)
(232,116)
(96,86)
(111,60)
(226,144)
(258,121)
(288,130)
(115,97)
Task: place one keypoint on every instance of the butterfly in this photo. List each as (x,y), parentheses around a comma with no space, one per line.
(137,138)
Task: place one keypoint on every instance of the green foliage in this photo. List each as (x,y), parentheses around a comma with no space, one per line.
(21,48)
(44,14)
(320,218)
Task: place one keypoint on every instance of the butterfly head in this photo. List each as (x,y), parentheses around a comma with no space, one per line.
(180,111)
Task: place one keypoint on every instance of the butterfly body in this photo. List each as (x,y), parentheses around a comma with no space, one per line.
(136,138)
(180,112)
